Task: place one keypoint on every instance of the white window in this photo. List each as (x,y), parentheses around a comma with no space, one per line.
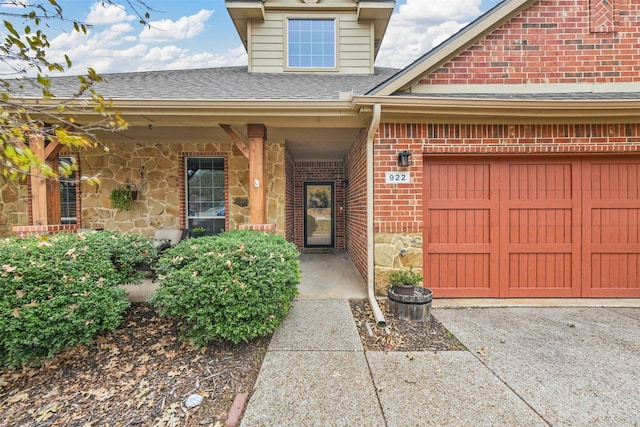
(68,195)
(311,43)
(205,193)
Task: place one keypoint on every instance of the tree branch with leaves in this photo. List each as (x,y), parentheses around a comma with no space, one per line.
(29,106)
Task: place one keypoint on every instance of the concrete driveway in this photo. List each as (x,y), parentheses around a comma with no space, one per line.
(571,366)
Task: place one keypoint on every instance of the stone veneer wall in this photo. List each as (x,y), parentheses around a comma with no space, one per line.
(14,206)
(155,167)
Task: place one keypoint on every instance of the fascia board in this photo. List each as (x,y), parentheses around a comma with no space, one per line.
(404,109)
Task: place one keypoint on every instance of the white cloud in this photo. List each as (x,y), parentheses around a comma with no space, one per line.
(167,30)
(421,25)
(439,10)
(107,14)
(174,58)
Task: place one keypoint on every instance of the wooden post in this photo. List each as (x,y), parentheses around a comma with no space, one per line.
(45,193)
(257,134)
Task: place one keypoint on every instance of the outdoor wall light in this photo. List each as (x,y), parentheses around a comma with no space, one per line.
(345,183)
(403,159)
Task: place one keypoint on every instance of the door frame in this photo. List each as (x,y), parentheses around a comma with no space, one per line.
(305,186)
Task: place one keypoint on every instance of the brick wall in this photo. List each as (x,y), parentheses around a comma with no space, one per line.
(356,204)
(554,41)
(398,207)
(319,172)
(289,210)
(398,214)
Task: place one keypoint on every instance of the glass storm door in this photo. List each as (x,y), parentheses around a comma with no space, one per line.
(319,215)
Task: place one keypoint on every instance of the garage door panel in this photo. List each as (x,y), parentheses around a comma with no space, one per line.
(459,209)
(614,180)
(615,271)
(459,271)
(539,181)
(528,226)
(537,206)
(459,226)
(543,271)
(611,228)
(533,227)
(616,226)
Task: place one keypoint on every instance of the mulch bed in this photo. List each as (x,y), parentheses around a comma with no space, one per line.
(139,375)
(401,335)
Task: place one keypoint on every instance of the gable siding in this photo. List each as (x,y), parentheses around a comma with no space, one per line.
(267,43)
(552,42)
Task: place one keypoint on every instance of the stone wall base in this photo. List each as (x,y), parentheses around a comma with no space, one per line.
(395,251)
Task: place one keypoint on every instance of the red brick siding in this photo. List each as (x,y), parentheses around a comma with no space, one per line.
(398,208)
(356,204)
(38,230)
(289,209)
(551,43)
(316,172)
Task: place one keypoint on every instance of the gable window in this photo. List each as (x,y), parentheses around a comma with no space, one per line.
(205,193)
(68,195)
(311,43)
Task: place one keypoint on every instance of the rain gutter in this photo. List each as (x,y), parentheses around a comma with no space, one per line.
(371,133)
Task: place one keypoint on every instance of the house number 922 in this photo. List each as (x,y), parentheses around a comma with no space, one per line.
(398,177)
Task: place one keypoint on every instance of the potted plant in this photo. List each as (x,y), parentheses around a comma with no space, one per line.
(122,197)
(198,231)
(404,281)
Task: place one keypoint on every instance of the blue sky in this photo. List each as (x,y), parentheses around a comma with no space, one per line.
(199,33)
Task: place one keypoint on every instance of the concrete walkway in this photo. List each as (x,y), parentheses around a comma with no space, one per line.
(523,367)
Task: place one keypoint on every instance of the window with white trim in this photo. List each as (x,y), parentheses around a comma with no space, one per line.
(311,43)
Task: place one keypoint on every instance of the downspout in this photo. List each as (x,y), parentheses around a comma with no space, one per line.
(371,293)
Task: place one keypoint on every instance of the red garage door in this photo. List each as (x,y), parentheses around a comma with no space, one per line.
(505,227)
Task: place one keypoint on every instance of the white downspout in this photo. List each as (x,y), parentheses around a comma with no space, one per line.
(371,134)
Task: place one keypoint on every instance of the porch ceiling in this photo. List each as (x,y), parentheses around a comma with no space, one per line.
(305,144)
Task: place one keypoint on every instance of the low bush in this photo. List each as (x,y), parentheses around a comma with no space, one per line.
(235,286)
(59,291)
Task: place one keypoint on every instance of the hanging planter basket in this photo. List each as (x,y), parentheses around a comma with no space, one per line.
(122,197)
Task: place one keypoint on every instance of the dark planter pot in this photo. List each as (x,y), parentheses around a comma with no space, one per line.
(403,289)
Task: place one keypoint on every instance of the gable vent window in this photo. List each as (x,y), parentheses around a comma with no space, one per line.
(311,43)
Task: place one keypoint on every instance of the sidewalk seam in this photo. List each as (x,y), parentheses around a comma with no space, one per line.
(510,388)
(375,389)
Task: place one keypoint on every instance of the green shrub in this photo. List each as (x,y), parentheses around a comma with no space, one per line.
(405,278)
(235,286)
(59,291)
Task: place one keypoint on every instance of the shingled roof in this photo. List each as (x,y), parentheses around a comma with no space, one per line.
(225,83)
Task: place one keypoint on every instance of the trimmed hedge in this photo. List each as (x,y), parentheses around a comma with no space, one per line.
(60,290)
(235,286)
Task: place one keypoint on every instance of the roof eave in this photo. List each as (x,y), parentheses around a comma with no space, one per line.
(447,110)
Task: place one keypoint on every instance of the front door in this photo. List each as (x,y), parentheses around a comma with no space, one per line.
(319,215)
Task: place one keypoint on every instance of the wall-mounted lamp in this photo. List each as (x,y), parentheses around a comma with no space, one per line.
(403,159)
(345,183)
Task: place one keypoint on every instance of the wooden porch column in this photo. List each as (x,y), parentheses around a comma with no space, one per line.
(257,134)
(45,193)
